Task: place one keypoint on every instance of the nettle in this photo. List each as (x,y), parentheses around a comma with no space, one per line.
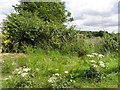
(96,65)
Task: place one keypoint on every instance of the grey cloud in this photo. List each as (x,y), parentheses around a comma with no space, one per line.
(97,13)
(105,15)
(79,17)
(109,24)
(103,22)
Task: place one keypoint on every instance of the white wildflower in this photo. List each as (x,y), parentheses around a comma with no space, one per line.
(19,72)
(102,64)
(66,72)
(6,78)
(94,54)
(3,61)
(93,61)
(10,77)
(17,69)
(52,79)
(26,69)
(100,56)
(90,56)
(71,80)
(24,74)
(57,74)
(95,66)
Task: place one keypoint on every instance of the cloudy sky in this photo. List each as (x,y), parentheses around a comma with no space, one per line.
(91,15)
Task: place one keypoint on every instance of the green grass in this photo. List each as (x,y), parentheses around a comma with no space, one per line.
(44,64)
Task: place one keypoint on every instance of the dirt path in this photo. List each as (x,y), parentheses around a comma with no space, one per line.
(16,55)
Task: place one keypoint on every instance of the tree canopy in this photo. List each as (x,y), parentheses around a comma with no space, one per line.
(36,23)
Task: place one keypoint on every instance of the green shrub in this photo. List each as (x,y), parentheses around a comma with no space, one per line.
(109,44)
(78,47)
(38,25)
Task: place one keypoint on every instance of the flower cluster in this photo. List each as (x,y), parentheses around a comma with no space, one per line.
(96,65)
(95,60)
(23,71)
(60,80)
(53,78)
(95,55)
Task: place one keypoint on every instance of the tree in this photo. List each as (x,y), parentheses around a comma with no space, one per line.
(35,23)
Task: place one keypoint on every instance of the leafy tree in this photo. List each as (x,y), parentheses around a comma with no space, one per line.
(35,23)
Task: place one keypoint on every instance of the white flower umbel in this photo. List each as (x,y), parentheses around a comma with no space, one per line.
(95,66)
(52,79)
(24,74)
(101,63)
(6,78)
(94,54)
(90,56)
(100,55)
(17,69)
(66,72)
(26,69)
(57,74)
(92,61)
(19,72)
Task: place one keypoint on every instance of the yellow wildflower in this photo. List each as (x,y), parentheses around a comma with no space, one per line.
(6,41)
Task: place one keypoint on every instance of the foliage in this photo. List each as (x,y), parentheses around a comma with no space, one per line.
(39,24)
(51,69)
(96,66)
(109,43)
(64,80)
(65,60)
(36,24)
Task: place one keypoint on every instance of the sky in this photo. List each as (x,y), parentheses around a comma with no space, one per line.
(89,15)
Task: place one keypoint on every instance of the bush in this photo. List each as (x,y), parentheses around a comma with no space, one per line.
(34,25)
(75,44)
(109,44)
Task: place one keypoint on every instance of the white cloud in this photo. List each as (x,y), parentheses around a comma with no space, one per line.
(94,14)
(6,8)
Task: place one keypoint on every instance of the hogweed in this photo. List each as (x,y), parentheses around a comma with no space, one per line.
(66,72)
(96,65)
(24,74)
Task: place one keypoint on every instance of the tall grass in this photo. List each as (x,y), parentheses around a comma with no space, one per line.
(44,65)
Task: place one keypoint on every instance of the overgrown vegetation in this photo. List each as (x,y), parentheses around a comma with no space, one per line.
(51,69)
(55,56)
